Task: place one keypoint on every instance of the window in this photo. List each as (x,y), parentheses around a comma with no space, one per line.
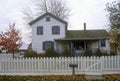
(48,44)
(39,30)
(47,19)
(103,44)
(55,30)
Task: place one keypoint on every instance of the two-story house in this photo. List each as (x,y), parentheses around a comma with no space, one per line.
(49,31)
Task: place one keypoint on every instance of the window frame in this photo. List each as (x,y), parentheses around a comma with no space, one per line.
(46,45)
(103,43)
(55,30)
(39,30)
(48,19)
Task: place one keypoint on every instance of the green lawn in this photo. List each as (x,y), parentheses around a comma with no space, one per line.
(115,77)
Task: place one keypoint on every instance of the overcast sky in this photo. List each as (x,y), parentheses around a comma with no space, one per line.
(92,12)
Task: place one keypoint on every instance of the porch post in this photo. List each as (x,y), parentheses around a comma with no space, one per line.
(84,45)
(71,47)
(56,46)
(98,44)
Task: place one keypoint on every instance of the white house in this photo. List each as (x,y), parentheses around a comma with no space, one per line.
(49,31)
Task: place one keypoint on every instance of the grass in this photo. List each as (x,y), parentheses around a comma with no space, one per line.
(115,77)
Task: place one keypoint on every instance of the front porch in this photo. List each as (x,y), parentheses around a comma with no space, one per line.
(78,47)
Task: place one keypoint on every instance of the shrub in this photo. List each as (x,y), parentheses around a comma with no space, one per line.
(66,52)
(41,55)
(98,52)
(113,53)
(88,53)
(51,53)
(30,54)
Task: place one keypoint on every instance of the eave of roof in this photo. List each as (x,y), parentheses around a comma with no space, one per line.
(85,35)
(45,14)
(67,39)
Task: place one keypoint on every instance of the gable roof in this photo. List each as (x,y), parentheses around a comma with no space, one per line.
(24,47)
(42,16)
(85,35)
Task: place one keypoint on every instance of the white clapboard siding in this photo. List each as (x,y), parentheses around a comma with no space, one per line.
(60,66)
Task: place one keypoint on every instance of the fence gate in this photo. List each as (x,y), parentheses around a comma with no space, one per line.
(93,66)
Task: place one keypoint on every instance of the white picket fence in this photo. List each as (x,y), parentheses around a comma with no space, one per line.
(10,55)
(60,66)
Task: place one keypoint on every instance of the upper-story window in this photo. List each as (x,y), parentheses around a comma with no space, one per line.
(103,43)
(47,19)
(40,30)
(55,30)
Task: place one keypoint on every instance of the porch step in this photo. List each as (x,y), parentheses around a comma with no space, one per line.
(93,77)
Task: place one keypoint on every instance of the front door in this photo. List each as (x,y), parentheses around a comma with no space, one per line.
(79,47)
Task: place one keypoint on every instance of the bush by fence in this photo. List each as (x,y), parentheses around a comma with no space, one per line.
(30,54)
(51,53)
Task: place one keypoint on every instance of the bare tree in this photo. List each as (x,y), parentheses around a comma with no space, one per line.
(28,14)
(56,7)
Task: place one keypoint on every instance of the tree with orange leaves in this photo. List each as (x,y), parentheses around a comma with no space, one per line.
(11,39)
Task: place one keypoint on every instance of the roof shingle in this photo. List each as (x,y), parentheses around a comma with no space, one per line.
(86,34)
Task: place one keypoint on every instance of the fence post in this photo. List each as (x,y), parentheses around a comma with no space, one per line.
(118,62)
(102,63)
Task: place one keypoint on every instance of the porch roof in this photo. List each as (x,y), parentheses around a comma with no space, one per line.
(85,35)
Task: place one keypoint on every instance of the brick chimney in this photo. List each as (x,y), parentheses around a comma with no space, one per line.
(84,26)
